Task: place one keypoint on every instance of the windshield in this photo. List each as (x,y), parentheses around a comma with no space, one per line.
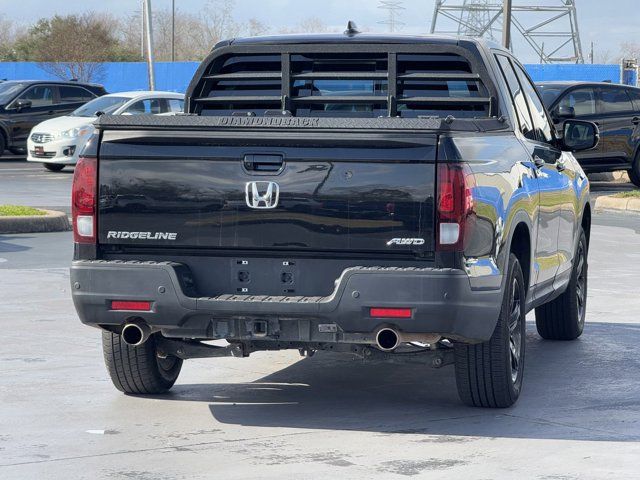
(8,90)
(106,104)
(549,93)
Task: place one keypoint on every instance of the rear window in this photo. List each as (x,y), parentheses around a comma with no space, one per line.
(615,100)
(74,94)
(353,84)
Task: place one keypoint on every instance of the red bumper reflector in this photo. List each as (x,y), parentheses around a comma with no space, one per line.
(390,312)
(131,305)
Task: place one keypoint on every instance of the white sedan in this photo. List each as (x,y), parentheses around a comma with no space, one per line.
(59,141)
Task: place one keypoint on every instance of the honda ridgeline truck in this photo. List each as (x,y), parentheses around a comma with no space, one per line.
(385,196)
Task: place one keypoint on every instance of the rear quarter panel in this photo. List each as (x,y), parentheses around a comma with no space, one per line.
(505,193)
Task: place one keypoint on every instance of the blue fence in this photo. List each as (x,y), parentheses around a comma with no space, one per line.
(115,76)
(564,71)
(118,77)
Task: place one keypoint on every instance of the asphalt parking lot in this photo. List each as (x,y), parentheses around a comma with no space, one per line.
(323,417)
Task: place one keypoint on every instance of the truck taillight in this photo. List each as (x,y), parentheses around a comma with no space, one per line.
(83,200)
(455,204)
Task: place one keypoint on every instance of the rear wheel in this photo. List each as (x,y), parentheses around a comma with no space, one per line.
(489,374)
(3,144)
(18,151)
(53,167)
(138,370)
(563,317)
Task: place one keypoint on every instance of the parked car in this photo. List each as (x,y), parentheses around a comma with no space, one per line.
(25,103)
(57,142)
(616,111)
(423,219)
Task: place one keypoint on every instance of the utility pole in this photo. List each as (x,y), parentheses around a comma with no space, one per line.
(141,28)
(149,37)
(173,30)
(506,23)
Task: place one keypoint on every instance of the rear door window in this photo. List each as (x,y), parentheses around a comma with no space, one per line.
(150,106)
(175,105)
(615,100)
(541,122)
(74,94)
(518,98)
(634,94)
(582,100)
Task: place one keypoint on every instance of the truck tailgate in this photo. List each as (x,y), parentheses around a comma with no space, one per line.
(290,191)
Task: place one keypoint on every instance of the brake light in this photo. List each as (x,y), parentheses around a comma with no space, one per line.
(83,200)
(379,312)
(136,305)
(455,204)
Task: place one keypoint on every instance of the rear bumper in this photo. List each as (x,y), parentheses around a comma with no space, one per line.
(442,302)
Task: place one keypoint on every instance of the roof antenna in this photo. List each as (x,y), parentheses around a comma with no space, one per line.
(352,29)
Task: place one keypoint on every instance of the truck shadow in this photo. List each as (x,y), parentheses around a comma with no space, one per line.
(12,244)
(582,390)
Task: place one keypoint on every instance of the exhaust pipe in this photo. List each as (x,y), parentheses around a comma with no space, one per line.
(135,333)
(388,339)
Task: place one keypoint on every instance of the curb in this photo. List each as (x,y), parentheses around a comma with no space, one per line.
(606,202)
(611,177)
(52,222)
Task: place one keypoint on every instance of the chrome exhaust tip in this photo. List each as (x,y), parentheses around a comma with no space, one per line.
(135,333)
(387,339)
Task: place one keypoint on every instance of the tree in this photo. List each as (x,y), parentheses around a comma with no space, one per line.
(195,34)
(255,28)
(9,33)
(630,50)
(73,46)
(307,25)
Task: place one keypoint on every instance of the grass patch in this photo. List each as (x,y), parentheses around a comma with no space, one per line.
(629,194)
(19,211)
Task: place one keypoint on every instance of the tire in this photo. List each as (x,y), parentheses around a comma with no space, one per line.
(489,374)
(3,143)
(53,167)
(18,151)
(138,370)
(563,317)
(634,173)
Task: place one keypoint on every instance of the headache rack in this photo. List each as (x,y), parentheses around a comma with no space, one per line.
(347,81)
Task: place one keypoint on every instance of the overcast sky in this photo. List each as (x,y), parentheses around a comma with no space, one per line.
(608,23)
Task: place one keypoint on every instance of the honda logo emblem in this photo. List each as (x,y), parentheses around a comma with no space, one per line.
(262,194)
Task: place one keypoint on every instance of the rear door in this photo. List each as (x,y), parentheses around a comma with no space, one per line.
(544,157)
(556,182)
(619,121)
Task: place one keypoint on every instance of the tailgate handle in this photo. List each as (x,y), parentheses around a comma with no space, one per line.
(263,163)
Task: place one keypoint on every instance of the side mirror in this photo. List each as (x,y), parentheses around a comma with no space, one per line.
(22,104)
(578,135)
(565,111)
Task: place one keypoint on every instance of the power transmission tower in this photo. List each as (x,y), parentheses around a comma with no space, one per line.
(550,28)
(393,8)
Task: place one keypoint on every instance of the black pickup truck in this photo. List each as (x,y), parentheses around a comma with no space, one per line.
(392,197)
